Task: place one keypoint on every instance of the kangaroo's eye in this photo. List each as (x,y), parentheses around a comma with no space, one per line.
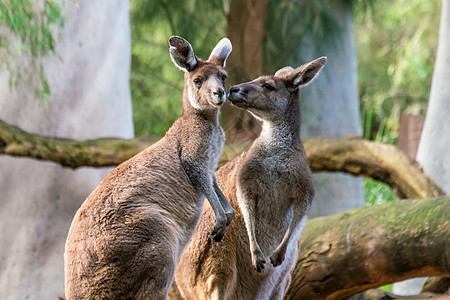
(268,87)
(197,82)
(224,77)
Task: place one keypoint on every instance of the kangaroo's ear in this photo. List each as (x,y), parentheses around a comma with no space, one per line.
(182,54)
(303,75)
(306,73)
(221,52)
(284,72)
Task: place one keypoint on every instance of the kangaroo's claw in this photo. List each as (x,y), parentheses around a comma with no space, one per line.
(218,232)
(258,261)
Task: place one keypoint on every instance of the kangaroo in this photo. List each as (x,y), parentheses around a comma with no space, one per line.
(271,187)
(126,239)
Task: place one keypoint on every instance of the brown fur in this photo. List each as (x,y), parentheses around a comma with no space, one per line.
(270,187)
(126,239)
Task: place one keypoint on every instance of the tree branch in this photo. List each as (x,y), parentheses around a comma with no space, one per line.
(376,294)
(436,285)
(379,161)
(367,247)
(344,254)
(70,153)
(391,242)
(351,155)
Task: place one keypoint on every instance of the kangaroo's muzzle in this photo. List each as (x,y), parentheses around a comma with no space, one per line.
(236,97)
(219,97)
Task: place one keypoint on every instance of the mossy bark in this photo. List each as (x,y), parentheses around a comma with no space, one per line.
(379,161)
(344,254)
(367,247)
(351,155)
(67,152)
(377,294)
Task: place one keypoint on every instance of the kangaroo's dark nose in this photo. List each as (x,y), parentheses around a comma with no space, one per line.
(234,90)
(219,93)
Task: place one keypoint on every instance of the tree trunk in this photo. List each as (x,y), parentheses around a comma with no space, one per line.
(89,81)
(435,140)
(367,247)
(245,29)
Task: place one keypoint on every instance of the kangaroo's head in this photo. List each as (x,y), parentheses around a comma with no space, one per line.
(270,97)
(204,80)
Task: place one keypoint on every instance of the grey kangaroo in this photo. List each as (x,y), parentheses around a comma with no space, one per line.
(271,187)
(126,239)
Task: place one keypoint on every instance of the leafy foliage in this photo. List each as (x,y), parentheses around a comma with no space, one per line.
(396,44)
(26,33)
(377,192)
(156,84)
(288,22)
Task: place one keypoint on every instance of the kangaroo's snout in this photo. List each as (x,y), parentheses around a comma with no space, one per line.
(237,97)
(219,93)
(219,97)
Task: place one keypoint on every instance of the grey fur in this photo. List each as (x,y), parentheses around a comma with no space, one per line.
(271,187)
(126,239)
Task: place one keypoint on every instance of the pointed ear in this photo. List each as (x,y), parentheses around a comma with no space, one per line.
(221,52)
(284,72)
(306,73)
(182,54)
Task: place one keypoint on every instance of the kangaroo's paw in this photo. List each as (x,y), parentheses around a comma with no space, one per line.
(218,231)
(258,261)
(277,258)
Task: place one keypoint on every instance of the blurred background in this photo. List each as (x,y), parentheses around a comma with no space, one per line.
(381,57)
(88,69)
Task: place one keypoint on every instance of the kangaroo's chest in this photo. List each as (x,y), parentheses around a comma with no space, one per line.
(275,172)
(217,140)
(273,182)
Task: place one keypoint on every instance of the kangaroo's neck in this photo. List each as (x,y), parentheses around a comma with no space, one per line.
(284,132)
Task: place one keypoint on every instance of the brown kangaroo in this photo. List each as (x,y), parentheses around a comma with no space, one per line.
(126,239)
(271,187)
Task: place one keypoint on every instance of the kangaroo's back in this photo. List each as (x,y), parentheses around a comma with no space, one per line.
(123,227)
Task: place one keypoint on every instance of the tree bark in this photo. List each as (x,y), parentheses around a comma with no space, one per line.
(351,155)
(436,285)
(435,140)
(367,247)
(376,294)
(246,30)
(70,153)
(382,162)
(90,98)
